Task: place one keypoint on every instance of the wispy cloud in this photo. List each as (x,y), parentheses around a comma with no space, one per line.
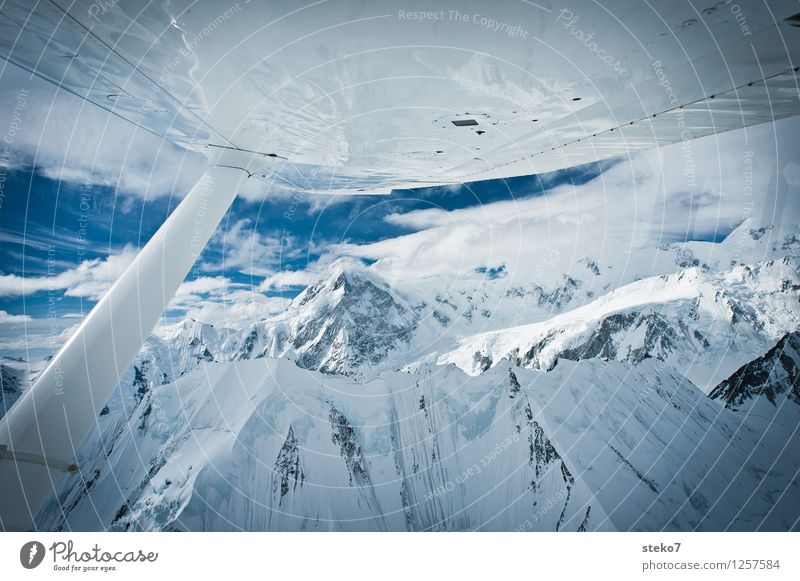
(664,195)
(38,337)
(90,279)
(243,248)
(220,301)
(236,309)
(288,279)
(8,319)
(203,285)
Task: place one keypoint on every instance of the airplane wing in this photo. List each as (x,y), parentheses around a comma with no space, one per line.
(420,93)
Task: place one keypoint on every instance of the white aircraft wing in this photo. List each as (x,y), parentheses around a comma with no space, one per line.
(418,92)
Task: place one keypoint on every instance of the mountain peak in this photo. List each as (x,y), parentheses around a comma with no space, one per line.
(703,323)
(187,327)
(345,323)
(346,277)
(773,376)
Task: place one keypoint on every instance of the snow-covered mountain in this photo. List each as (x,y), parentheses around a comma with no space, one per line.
(12,382)
(346,323)
(352,321)
(775,376)
(570,402)
(15,376)
(701,323)
(265,445)
(174,350)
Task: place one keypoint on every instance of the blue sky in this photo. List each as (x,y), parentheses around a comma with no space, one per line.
(51,226)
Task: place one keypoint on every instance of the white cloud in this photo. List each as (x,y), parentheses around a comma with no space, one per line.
(90,279)
(220,301)
(292,279)
(237,309)
(288,279)
(8,319)
(248,251)
(419,219)
(215,300)
(663,195)
(203,285)
(42,336)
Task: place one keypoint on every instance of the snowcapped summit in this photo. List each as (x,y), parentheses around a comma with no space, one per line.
(345,323)
(194,338)
(349,320)
(342,281)
(703,324)
(775,376)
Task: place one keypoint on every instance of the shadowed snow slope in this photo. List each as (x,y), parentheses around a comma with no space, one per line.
(265,445)
(588,417)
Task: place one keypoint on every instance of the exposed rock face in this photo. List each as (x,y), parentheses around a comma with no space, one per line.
(774,376)
(288,469)
(701,324)
(349,321)
(11,385)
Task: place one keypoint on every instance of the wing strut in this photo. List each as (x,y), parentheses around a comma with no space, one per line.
(40,433)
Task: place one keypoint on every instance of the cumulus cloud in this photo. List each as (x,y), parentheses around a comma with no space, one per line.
(245,249)
(203,285)
(8,319)
(220,301)
(288,279)
(42,336)
(291,280)
(215,300)
(237,308)
(90,279)
(697,191)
